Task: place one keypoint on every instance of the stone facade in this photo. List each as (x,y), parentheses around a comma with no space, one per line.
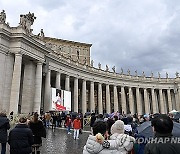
(30,65)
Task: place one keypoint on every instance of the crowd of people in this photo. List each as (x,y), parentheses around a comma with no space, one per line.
(119,134)
(25,137)
(110,133)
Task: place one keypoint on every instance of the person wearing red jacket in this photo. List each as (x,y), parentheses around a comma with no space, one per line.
(68,123)
(77,127)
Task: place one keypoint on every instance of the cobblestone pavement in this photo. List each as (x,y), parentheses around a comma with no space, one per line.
(59,142)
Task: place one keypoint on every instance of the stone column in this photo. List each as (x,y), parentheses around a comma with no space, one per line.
(154,104)
(116,107)
(58,80)
(146,101)
(165,103)
(92,103)
(84,103)
(38,88)
(176,99)
(15,87)
(123,100)
(131,102)
(100,105)
(162,109)
(75,94)
(139,104)
(67,83)
(47,101)
(8,81)
(108,105)
(169,100)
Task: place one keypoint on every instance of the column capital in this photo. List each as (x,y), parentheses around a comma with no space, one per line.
(18,54)
(39,63)
(92,82)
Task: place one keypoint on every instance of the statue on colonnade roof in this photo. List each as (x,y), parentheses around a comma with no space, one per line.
(159,75)
(41,34)
(92,63)
(121,70)
(167,75)
(114,69)
(177,75)
(107,68)
(99,65)
(26,21)
(135,72)
(152,74)
(2,17)
(143,74)
(129,72)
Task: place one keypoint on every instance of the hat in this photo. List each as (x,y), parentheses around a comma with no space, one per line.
(117,127)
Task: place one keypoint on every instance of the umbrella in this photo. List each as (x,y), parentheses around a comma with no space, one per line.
(173,112)
(176,129)
(177,116)
(145,129)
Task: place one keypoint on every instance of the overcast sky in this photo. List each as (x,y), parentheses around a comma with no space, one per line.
(142,35)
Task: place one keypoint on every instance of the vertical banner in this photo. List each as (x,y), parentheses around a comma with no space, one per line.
(67,100)
(61,100)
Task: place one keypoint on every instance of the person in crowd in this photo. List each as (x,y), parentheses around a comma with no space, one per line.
(93,119)
(118,143)
(21,138)
(77,127)
(59,120)
(109,123)
(47,119)
(164,142)
(115,117)
(100,117)
(63,118)
(92,146)
(125,142)
(54,120)
(4,126)
(11,115)
(38,131)
(81,119)
(146,117)
(68,123)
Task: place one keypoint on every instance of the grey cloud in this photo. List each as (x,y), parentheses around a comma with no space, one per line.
(136,35)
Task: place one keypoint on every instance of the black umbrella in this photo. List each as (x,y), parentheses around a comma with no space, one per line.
(145,129)
(177,116)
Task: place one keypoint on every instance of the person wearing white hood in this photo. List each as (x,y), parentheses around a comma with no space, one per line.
(119,142)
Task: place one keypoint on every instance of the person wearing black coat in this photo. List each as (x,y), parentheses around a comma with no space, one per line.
(38,130)
(4,126)
(163,141)
(21,138)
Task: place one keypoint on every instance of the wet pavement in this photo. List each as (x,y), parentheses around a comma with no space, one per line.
(59,142)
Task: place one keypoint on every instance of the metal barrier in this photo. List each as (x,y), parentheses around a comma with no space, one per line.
(14,119)
(86,122)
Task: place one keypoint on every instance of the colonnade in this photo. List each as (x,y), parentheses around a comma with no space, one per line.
(109,98)
(35,91)
(112,98)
